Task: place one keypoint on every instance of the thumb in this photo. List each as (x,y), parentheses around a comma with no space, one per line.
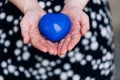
(25,27)
(84,23)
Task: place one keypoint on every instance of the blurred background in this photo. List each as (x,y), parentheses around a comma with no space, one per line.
(115,9)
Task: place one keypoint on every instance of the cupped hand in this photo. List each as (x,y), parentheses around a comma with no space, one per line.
(30,31)
(80,25)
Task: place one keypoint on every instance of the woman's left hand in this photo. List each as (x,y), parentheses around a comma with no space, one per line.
(80,25)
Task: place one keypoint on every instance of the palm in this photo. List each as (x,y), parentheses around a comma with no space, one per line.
(31,21)
(79,28)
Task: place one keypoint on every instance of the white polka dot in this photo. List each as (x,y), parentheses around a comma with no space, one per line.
(37,65)
(92,78)
(62,56)
(72,60)
(11,68)
(94,24)
(50,74)
(76,49)
(57,8)
(44,77)
(94,46)
(19,58)
(5,71)
(88,35)
(48,3)
(83,62)
(85,41)
(9,61)
(69,73)
(21,68)
(3,36)
(88,57)
(106,21)
(10,32)
(20,17)
(87,78)
(50,10)
(57,71)
(93,15)
(1,77)
(5,50)
(15,22)
(1,31)
(109,56)
(86,9)
(15,29)
(63,76)
(58,61)
(101,66)
(102,72)
(16,73)
(104,32)
(107,72)
(79,56)
(3,64)
(1,4)
(99,17)
(27,74)
(48,68)
(76,77)
(9,18)
(37,77)
(2,15)
(93,62)
(19,43)
(17,52)
(52,64)
(41,70)
(98,61)
(107,65)
(93,38)
(1,41)
(98,2)
(42,4)
(104,51)
(66,66)
(87,48)
(29,45)
(25,48)
(71,54)
(7,43)
(95,67)
(45,62)
(34,72)
(26,56)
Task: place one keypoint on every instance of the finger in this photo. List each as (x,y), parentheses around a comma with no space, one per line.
(39,45)
(74,40)
(65,45)
(85,24)
(56,45)
(60,45)
(25,31)
(51,47)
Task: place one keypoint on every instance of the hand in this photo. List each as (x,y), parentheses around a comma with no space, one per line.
(80,25)
(31,33)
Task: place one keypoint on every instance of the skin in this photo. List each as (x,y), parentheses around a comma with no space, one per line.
(33,13)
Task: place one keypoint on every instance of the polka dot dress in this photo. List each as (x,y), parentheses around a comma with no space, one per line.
(91,59)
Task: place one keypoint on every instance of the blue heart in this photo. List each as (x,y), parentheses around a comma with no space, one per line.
(55,26)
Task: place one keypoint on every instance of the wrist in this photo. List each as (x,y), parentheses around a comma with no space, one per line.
(30,5)
(76,3)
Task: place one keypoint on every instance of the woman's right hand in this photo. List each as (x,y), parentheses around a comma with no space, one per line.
(30,31)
